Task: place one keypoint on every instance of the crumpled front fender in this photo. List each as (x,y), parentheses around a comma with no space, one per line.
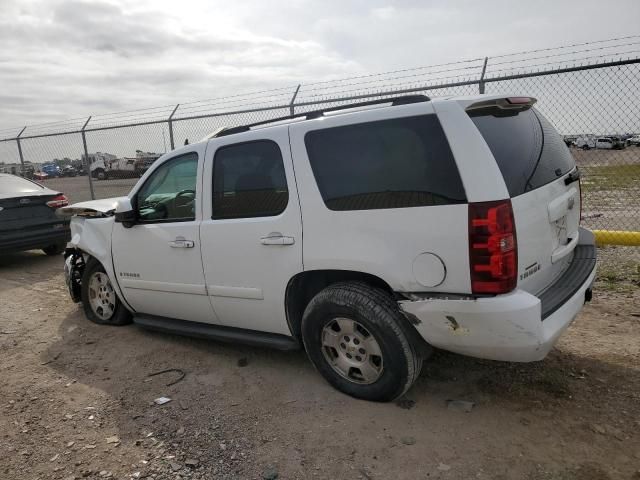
(93,237)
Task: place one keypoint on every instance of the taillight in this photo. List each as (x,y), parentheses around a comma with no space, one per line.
(57,202)
(493,252)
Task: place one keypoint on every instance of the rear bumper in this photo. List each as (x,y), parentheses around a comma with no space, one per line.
(517,327)
(35,239)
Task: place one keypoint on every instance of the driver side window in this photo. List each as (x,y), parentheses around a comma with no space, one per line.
(169,194)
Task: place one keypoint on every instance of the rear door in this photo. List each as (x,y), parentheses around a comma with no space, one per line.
(251,231)
(540,175)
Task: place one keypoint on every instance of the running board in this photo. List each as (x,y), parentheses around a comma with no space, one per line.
(217,332)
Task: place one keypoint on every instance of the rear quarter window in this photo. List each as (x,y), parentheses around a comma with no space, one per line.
(396,163)
(527,148)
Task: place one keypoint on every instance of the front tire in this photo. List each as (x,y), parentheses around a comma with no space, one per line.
(357,338)
(99,300)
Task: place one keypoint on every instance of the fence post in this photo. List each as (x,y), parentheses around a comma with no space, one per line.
(481,81)
(293,99)
(87,162)
(20,152)
(170,121)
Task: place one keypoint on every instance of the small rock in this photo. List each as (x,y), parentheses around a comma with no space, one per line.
(113,439)
(191,463)
(175,466)
(243,362)
(598,429)
(408,440)
(443,467)
(271,473)
(180,431)
(460,405)
(54,458)
(70,444)
(161,400)
(183,406)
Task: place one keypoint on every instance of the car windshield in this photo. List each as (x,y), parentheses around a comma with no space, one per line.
(13,184)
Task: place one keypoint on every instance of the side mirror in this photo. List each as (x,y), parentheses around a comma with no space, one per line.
(124,213)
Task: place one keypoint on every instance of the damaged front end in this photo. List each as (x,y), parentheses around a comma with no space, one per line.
(73,270)
(74,257)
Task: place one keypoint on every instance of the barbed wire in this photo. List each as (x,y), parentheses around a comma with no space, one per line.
(396,79)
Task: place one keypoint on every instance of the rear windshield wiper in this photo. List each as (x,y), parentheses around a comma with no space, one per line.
(572,177)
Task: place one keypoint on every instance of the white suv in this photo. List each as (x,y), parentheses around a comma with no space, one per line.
(366,234)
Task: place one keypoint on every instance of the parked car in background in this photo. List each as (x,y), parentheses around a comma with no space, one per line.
(51,169)
(585,142)
(39,175)
(365,233)
(604,143)
(635,140)
(28,217)
(617,142)
(68,171)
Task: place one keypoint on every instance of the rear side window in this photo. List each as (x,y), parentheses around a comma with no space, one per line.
(529,151)
(17,185)
(249,181)
(397,163)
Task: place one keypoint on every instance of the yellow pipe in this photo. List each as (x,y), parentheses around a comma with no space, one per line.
(613,237)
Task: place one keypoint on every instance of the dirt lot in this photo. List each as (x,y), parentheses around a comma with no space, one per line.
(76,401)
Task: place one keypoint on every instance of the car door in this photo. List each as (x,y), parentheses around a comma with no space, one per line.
(157,261)
(251,232)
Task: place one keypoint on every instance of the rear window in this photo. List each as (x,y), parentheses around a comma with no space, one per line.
(13,184)
(397,163)
(529,151)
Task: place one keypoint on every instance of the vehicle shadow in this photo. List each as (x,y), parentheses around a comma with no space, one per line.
(118,360)
(32,266)
(236,391)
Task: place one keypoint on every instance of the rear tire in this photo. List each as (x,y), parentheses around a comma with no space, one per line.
(55,249)
(100,302)
(357,338)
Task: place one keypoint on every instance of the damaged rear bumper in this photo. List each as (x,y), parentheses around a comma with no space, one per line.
(516,327)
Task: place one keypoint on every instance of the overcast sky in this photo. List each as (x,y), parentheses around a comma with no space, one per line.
(63,59)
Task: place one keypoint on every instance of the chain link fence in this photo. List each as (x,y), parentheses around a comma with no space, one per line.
(596,106)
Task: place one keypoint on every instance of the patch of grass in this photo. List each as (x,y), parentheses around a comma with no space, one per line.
(618,268)
(599,178)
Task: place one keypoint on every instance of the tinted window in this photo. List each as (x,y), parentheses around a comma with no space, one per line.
(13,184)
(529,151)
(398,163)
(169,193)
(249,181)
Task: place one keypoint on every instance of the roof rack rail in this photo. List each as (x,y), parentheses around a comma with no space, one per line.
(401,100)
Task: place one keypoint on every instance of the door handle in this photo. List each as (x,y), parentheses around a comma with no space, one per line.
(276,238)
(181,242)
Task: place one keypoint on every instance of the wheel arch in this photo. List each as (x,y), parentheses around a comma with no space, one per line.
(303,286)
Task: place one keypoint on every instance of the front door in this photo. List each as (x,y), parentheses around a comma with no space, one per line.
(158,261)
(251,232)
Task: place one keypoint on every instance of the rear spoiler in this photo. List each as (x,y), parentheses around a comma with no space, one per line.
(501,106)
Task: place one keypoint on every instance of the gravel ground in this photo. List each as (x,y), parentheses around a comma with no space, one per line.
(76,401)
